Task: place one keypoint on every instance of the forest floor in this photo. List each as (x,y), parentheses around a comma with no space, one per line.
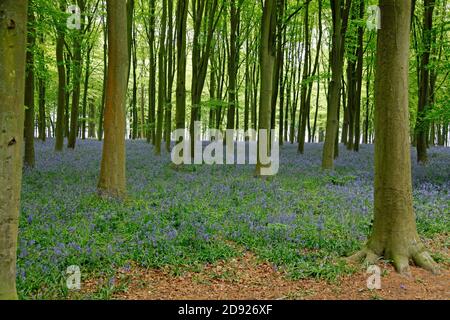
(217,231)
(247,278)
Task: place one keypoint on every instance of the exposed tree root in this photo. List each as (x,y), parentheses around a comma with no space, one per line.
(420,258)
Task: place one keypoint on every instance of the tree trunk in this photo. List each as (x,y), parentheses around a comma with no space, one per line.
(180,112)
(13,32)
(394,234)
(161,80)
(340,18)
(112,181)
(267,60)
(424,83)
(59,141)
(304,108)
(359,72)
(105,80)
(29,93)
(170,77)
(232,64)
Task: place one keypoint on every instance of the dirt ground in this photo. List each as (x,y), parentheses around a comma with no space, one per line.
(247,278)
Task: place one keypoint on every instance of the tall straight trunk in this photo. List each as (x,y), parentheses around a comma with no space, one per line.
(170,77)
(359,79)
(351,104)
(13,33)
(255,83)
(142,129)
(340,19)
(201,50)
(278,64)
(42,114)
(315,70)
(77,72)
(85,93)
(105,79)
(232,64)
(74,111)
(394,234)
(112,182)
(29,92)
(247,91)
(68,63)
(152,76)
(91,116)
(130,21)
(181,24)
(59,141)
(267,61)
(304,108)
(42,87)
(424,83)
(161,80)
(134,98)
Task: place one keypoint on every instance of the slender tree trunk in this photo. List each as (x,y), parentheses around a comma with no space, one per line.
(152,76)
(112,182)
(42,84)
(13,33)
(68,63)
(29,92)
(422,125)
(267,61)
(304,108)
(359,79)
(340,18)
(85,93)
(134,98)
(59,141)
(170,77)
(161,80)
(77,72)
(180,112)
(232,64)
(105,79)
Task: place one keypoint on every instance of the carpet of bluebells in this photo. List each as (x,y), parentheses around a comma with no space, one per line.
(301,220)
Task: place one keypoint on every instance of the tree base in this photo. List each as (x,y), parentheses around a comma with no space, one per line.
(420,257)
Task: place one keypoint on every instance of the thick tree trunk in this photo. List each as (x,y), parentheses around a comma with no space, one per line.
(112,181)
(394,234)
(13,32)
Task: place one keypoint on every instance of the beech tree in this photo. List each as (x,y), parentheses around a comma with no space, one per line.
(112,172)
(394,233)
(13,33)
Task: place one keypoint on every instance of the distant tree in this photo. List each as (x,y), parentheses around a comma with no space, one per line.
(29,90)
